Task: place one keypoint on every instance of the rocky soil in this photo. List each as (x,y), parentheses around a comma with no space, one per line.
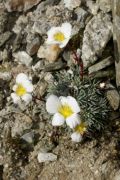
(30,148)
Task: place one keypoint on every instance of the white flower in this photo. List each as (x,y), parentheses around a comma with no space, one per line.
(64,109)
(59,35)
(76,137)
(79,131)
(22,89)
(102,85)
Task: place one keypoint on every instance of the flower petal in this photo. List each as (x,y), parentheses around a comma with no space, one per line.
(28,86)
(21,78)
(16,99)
(76,137)
(73,120)
(63,100)
(27,98)
(52,104)
(15,87)
(66,28)
(58,120)
(64,43)
(51,33)
(73,104)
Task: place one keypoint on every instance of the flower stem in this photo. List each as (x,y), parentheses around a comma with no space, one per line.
(80,63)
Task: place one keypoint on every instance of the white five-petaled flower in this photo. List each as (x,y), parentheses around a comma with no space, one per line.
(80,129)
(64,109)
(60,35)
(22,89)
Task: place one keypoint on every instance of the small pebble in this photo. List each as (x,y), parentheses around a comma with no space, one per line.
(44,157)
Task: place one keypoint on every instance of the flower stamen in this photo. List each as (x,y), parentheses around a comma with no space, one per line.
(81,128)
(65,110)
(20,91)
(59,36)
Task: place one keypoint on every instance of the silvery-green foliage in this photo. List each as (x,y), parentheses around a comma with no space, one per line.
(93,103)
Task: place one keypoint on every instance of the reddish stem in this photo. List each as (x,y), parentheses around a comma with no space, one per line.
(80,63)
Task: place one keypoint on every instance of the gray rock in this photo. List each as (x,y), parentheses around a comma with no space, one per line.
(55,66)
(0,56)
(41,89)
(116,38)
(38,66)
(113,96)
(105,5)
(33,44)
(23,58)
(4,55)
(96,35)
(22,123)
(81,16)
(1,103)
(3,19)
(49,78)
(70,4)
(101,65)
(20,5)
(109,74)
(43,18)
(117,67)
(20,24)
(93,7)
(18,42)
(28,137)
(66,55)
(6,76)
(32,40)
(49,52)
(4,37)
(46,157)
(1,160)
(117,175)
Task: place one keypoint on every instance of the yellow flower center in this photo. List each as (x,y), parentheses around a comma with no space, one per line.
(59,36)
(20,91)
(81,128)
(65,110)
